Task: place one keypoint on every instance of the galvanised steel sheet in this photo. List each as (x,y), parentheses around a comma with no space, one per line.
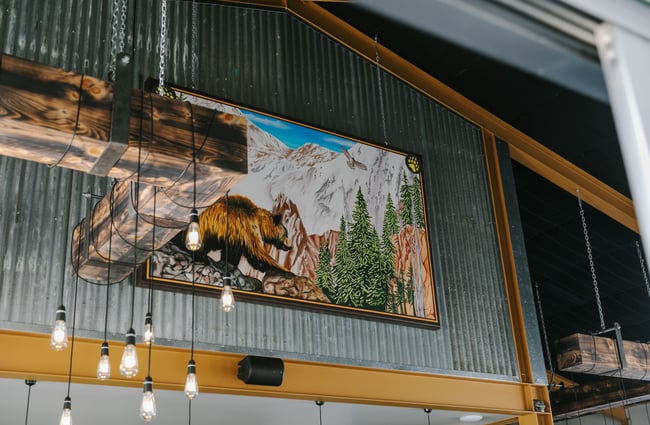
(273,62)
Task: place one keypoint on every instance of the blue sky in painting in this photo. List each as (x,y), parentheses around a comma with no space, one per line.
(294,136)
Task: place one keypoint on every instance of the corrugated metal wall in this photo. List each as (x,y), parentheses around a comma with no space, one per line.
(273,62)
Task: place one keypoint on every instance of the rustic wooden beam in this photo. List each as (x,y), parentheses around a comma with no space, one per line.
(63,119)
(55,117)
(598,355)
(600,396)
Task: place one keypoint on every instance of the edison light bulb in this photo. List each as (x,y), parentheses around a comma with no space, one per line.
(129,364)
(104,366)
(191,384)
(66,416)
(193,235)
(227,298)
(147,336)
(59,340)
(148,406)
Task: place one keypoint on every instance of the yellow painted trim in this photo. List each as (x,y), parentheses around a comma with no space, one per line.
(523,148)
(28,356)
(507,260)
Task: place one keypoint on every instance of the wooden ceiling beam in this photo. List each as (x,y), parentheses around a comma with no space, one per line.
(63,119)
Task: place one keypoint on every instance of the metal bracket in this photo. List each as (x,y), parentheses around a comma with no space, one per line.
(619,343)
(120,118)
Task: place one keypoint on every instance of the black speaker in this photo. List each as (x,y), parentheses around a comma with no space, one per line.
(261,370)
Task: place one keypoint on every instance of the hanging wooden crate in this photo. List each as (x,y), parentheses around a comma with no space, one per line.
(597,355)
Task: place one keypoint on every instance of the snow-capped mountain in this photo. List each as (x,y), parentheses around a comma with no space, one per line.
(321,183)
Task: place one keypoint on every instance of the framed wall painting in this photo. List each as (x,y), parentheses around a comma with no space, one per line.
(321,221)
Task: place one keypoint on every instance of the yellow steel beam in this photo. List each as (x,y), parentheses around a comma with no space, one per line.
(523,148)
(507,259)
(28,356)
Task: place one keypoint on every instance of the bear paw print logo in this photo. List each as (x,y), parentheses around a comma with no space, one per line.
(413,163)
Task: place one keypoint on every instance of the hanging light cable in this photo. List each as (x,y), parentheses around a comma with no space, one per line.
(104,365)
(320,403)
(227,297)
(30,383)
(193,240)
(129,364)
(148,405)
(428,412)
(643,267)
(148,334)
(66,415)
(191,383)
(380,90)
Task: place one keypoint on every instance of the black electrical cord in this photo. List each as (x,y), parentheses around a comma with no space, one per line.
(30,383)
(195,154)
(136,206)
(193,305)
(76,125)
(108,277)
(74,314)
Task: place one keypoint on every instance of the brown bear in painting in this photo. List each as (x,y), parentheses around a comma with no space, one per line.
(249,228)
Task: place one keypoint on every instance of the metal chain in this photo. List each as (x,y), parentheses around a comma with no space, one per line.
(163,43)
(195,41)
(118,34)
(381,97)
(643,269)
(122,34)
(113,56)
(591,263)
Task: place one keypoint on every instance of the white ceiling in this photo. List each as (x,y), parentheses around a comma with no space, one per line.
(109,405)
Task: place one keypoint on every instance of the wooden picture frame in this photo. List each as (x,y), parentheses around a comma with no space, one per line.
(306,187)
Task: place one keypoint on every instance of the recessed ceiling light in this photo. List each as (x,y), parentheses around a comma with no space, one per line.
(471,418)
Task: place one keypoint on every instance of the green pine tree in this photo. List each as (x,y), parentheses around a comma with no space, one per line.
(324,278)
(405,210)
(391,226)
(416,199)
(388,251)
(366,250)
(346,290)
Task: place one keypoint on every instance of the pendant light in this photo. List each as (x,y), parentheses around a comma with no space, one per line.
(129,363)
(148,405)
(66,415)
(104,365)
(59,337)
(227,297)
(193,240)
(30,383)
(191,383)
